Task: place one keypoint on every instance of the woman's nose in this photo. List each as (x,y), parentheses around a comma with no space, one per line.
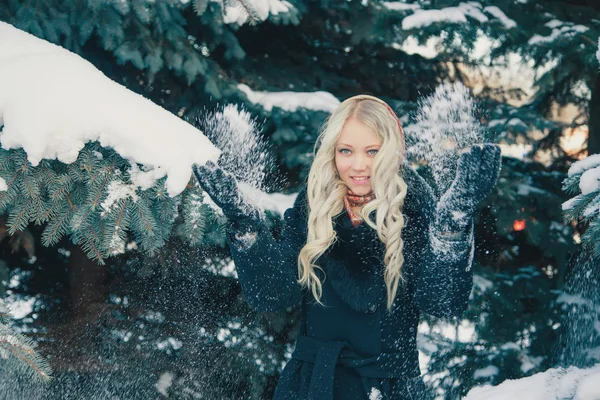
(360,163)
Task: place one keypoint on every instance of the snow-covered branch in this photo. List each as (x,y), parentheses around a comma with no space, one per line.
(53,102)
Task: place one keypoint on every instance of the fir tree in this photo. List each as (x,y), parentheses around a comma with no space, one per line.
(582,181)
(557,36)
(580,343)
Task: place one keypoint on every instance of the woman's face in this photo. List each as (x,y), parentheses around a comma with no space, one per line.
(355,150)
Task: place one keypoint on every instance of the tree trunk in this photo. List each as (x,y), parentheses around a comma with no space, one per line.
(86,280)
(593,144)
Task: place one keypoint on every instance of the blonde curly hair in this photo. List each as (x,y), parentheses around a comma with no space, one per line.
(325,191)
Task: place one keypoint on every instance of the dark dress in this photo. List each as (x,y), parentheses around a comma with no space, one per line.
(353,348)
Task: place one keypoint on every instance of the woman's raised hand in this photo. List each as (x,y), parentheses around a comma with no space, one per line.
(222,188)
(476,175)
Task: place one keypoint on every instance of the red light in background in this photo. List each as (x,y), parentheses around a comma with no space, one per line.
(519,224)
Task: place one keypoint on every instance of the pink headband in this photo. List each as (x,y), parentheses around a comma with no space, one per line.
(395,117)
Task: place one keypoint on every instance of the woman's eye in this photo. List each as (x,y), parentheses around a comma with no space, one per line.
(374,151)
(343,151)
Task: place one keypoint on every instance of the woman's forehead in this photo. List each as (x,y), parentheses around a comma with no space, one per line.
(355,132)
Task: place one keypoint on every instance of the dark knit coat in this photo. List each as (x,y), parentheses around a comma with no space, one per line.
(352,347)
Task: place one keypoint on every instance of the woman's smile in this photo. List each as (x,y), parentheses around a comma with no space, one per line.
(361,180)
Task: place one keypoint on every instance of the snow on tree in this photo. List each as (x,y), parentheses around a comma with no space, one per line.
(583,181)
(97,161)
(581,343)
(553,384)
(90,108)
(128,29)
(291,101)
(558,38)
(253,11)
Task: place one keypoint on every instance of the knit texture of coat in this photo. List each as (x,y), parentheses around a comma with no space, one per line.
(352,347)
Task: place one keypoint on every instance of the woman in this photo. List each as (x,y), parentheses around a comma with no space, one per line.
(365,249)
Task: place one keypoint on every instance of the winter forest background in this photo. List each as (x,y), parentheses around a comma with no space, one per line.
(129,292)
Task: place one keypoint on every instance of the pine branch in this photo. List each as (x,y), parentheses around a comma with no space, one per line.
(28,185)
(22,350)
(6,162)
(585,206)
(69,199)
(590,239)
(90,242)
(145,226)
(97,185)
(116,223)
(200,6)
(4,313)
(194,215)
(165,208)
(58,226)
(19,216)
(250,11)
(142,11)
(579,204)
(10,175)
(82,218)
(61,185)
(164,217)
(571,184)
(9,195)
(75,172)
(43,210)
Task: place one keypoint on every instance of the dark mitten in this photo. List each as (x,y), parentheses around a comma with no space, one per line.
(476,175)
(222,188)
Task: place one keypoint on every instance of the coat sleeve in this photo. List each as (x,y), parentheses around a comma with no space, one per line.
(443,278)
(267,267)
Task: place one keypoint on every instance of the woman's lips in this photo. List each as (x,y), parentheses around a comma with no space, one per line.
(360,181)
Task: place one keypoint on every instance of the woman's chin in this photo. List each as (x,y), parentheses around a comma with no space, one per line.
(360,190)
